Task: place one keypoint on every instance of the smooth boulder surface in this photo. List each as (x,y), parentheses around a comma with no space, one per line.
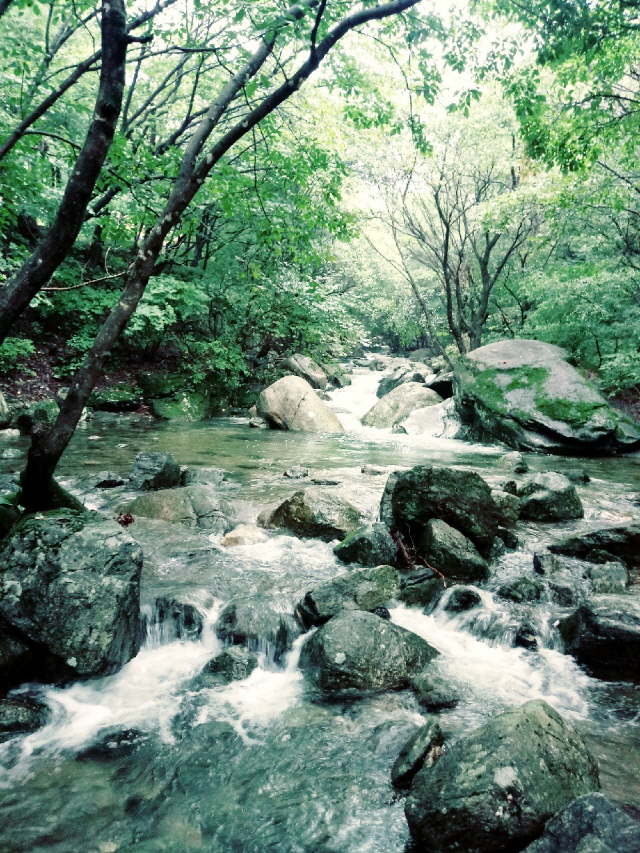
(316,514)
(291,403)
(70,585)
(604,633)
(153,471)
(494,789)
(193,506)
(549,497)
(401,375)
(450,552)
(398,404)
(524,392)
(370,545)
(304,367)
(461,498)
(244,534)
(439,421)
(359,653)
(361,589)
(590,824)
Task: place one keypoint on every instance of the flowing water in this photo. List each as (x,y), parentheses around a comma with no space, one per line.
(150,760)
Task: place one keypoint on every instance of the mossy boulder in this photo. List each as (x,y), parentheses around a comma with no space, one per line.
(524,392)
(315,513)
(194,506)
(117,398)
(494,789)
(370,545)
(43,412)
(182,406)
(549,497)
(451,553)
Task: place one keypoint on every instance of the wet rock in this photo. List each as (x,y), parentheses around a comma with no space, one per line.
(433,692)
(117,398)
(337,376)
(234,664)
(374,470)
(460,498)
(609,578)
(257,423)
(296,473)
(450,552)
(70,588)
(508,507)
(525,637)
(604,633)
(153,471)
(101,480)
(461,599)
(621,542)
(291,403)
(203,476)
(21,714)
(357,653)
(304,367)
(244,534)
(400,376)
(194,506)
(545,563)
(261,624)
(524,393)
(514,461)
(424,747)
(362,589)
(438,421)
(549,497)
(43,412)
(564,590)
(397,405)
(508,538)
(494,789)
(577,475)
(590,824)
(180,620)
(182,406)
(422,588)
(522,590)
(370,545)
(316,514)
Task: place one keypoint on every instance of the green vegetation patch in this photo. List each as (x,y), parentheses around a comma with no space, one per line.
(574,413)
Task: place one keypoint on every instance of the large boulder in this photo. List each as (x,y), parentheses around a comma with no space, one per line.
(425,746)
(494,789)
(451,553)
(116,398)
(358,653)
(291,403)
(603,544)
(549,497)
(461,498)
(524,392)
(370,545)
(590,824)
(439,421)
(397,405)
(401,375)
(316,514)
(70,587)
(362,589)
(604,633)
(182,406)
(193,506)
(259,623)
(152,471)
(304,367)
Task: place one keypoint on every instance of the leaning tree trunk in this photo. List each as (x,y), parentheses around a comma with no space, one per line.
(38,487)
(16,295)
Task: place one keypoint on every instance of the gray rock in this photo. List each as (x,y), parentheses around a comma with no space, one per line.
(438,421)
(462,598)
(316,514)
(450,552)
(422,588)
(514,461)
(374,470)
(433,692)
(424,747)
(460,498)
(397,405)
(621,542)
(194,506)
(508,507)
(362,589)
(70,585)
(357,653)
(304,367)
(524,393)
(610,578)
(152,471)
(179,620)
(291,403)
(590,824)
(234,664)
(244,534)
(20,715)
(400,376)
(261,624)
(604,633)
(494,789)
(565,590)
(549,497)
(545,563)
(370,545)
(522,590)
(101,480)
(203,476)
(577,475)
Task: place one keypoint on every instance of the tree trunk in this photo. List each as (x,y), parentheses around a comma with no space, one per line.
(60,237)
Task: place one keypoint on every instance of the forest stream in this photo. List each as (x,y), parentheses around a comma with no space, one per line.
(149,760)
